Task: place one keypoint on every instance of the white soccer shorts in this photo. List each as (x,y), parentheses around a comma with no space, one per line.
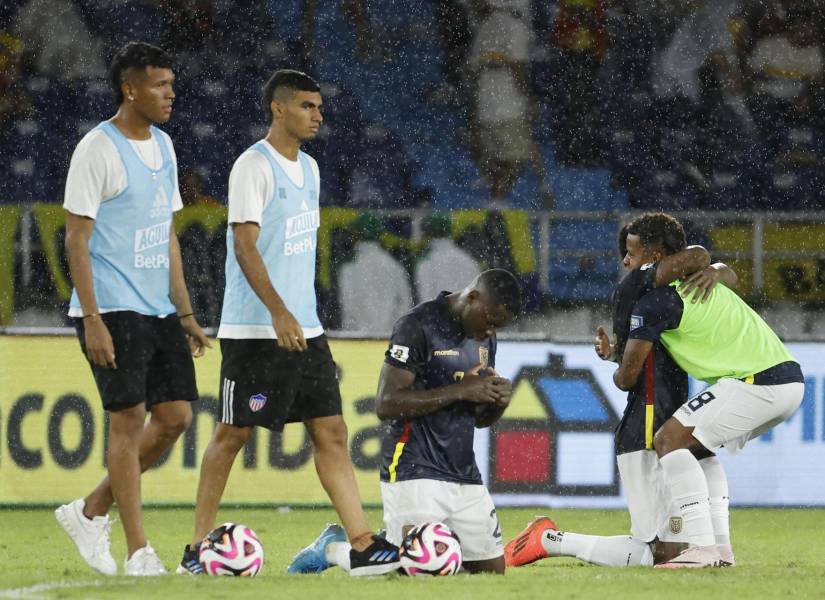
(467,509)
(731,412)
(652,512)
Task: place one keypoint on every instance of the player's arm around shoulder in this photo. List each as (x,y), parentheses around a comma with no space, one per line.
(680,265)
(702,283)
(699,277)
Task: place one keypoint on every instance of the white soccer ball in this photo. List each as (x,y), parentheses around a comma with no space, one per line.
(232,549)
(430,549)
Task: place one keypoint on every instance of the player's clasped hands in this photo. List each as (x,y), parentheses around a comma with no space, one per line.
(485,386)
(289,331)
(701,283)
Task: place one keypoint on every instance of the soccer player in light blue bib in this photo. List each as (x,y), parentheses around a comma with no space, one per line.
(130,303)
(276,366)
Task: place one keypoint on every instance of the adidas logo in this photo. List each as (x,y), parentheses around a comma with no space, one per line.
(384,556)
(160,198)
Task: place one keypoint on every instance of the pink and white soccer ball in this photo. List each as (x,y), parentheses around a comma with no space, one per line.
(430,549)
(232,549)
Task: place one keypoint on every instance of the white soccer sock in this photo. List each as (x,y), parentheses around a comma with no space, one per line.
(719,500)
(689,488)
(337,553)
(607,551)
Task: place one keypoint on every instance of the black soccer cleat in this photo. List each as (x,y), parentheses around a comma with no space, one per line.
(190,563)
(379,558)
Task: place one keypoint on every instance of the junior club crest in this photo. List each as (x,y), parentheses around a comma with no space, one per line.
(257,402)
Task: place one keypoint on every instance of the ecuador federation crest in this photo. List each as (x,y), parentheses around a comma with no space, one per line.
(675,524)
(484,356)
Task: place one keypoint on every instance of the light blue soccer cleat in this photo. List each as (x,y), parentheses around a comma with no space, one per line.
(312,558)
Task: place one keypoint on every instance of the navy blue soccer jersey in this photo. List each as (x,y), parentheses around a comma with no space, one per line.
(430,342)
(662,387)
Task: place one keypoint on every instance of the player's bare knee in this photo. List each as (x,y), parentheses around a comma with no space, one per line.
(174,425)
(230,439)
(127,422)
(328,433)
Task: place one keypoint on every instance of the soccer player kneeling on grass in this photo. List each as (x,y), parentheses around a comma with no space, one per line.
(755,384)
(653,248)
(436,386)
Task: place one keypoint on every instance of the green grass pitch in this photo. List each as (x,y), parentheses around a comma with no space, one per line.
(781,554)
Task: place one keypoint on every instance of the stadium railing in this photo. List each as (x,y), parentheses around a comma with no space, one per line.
(779,256)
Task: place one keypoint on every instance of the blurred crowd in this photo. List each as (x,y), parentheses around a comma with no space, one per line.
(455,103)
(565,105)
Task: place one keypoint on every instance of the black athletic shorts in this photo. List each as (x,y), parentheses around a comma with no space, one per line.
(264,385)
(154,363)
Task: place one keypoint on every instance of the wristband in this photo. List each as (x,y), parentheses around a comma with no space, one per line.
(91,315)
(186,315)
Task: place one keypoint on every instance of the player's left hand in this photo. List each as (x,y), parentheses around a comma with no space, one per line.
(198,342)
(701,283)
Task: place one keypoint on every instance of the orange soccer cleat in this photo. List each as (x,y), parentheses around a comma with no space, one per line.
(527,547)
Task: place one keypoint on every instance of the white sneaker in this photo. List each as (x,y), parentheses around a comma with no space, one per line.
(695,557)
(726,552)
(144,562)
(91,536)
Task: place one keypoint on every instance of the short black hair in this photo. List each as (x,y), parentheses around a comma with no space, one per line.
(297,81)
(135,55)
(504,288)
(623,240)
(659,229)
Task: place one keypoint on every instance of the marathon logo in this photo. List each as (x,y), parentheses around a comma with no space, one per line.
(445,353)
(150,237)
(303,223)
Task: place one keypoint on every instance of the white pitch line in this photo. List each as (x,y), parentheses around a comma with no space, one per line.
(34,592)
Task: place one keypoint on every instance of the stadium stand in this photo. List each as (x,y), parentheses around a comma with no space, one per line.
(395,138)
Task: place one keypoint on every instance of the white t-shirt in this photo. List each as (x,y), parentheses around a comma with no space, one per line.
(96,172)
(785,68)
(676,69)
(499,96)
(252,183)
(445,267)
(373,289)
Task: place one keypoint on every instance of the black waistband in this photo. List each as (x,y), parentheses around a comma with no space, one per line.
(786,372)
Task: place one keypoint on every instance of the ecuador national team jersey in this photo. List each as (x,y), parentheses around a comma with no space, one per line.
(663,386)
(722,337)
(430,342)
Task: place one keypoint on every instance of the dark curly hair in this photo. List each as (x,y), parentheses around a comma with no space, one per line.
(658,229)
(623,241)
